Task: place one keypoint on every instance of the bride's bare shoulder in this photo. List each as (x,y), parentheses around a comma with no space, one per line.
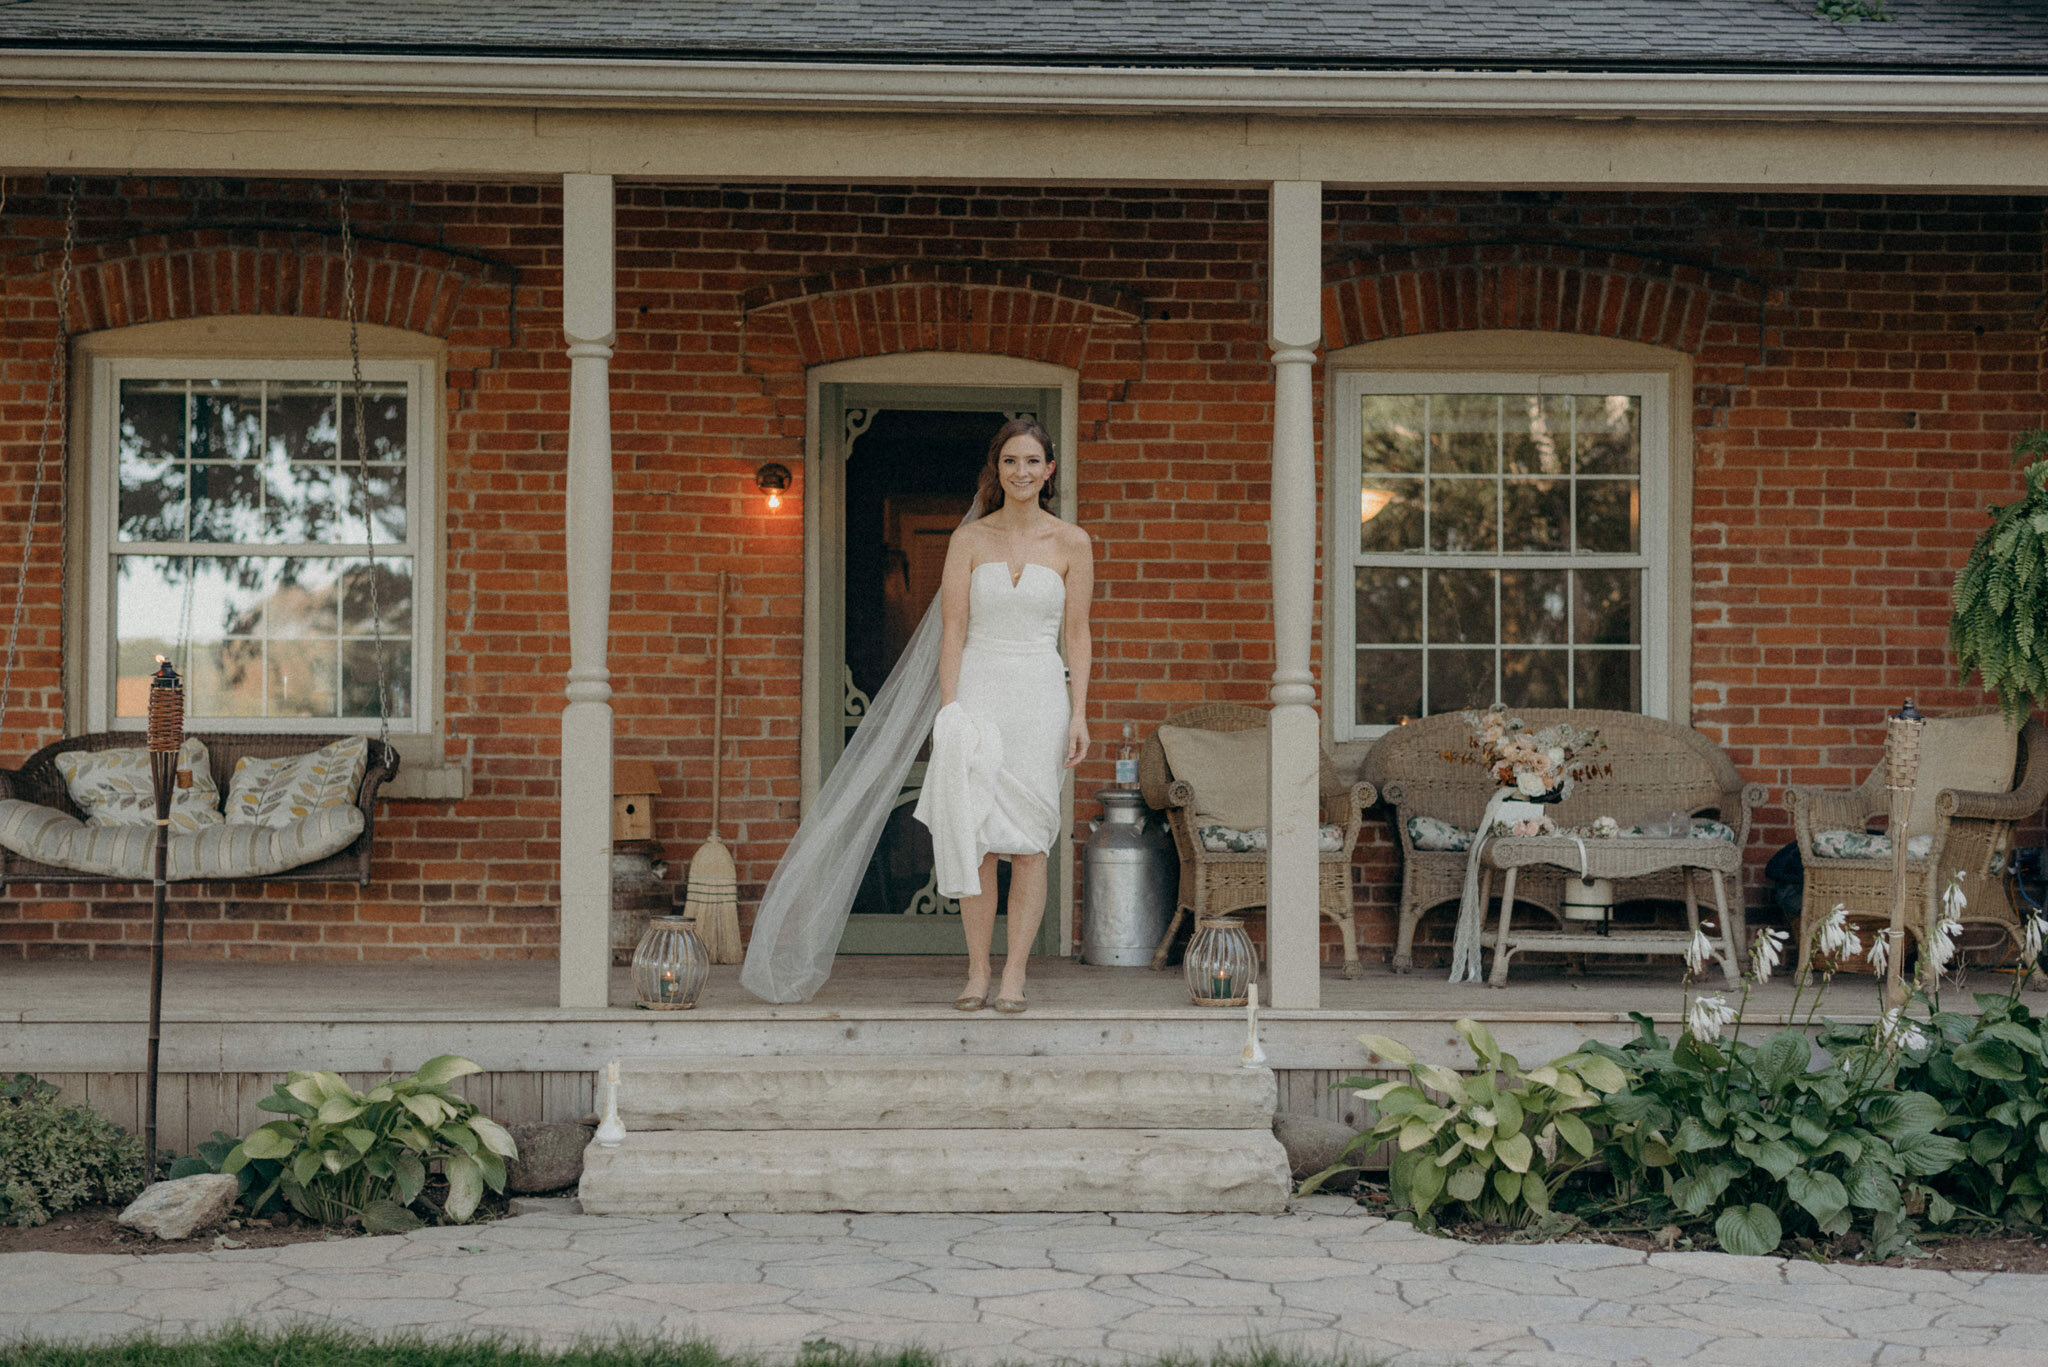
(1073,539)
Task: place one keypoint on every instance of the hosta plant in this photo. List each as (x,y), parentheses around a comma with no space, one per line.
(1492,1146)
(343,1153)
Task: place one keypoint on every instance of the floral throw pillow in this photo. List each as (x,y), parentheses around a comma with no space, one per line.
(1231,840)
(280,792)
(113,787)
(1428,833)
(1866,845)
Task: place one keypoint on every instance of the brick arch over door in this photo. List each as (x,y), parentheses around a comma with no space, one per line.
(202,273)
(971,307)
(1540,287)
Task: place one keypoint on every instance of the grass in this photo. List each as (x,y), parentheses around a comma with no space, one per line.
(240,1347)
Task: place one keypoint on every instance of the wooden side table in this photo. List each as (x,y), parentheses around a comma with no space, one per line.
(1625,857)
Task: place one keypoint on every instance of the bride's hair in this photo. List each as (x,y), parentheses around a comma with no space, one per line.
(990,491)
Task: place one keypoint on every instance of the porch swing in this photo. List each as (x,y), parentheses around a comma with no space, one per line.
(301,807)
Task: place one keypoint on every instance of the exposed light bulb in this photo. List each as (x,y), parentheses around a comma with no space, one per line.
(774,500)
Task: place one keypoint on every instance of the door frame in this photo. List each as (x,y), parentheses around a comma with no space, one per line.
(824,559)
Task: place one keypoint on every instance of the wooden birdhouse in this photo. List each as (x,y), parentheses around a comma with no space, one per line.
(634,788)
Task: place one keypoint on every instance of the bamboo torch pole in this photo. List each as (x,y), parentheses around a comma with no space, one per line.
(166,738)
(1902,771)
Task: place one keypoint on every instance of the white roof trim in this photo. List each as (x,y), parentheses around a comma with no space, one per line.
(597,82)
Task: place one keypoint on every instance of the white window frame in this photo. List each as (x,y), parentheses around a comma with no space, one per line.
(1347,387)
(421,545)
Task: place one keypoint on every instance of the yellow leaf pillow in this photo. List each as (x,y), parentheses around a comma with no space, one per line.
(113,788)
(281,792)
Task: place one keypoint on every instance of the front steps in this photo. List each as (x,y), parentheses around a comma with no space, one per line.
(954,1133)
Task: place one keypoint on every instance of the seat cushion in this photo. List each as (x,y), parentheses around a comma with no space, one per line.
(219,852)
(1231,840)
(113,787)
(1973,754)
(1227,770)
(280,792)
(1866,845)
(1428,833)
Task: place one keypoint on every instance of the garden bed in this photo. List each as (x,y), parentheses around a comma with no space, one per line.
(92,1229)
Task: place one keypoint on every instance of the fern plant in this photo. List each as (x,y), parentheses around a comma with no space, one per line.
(2002,594)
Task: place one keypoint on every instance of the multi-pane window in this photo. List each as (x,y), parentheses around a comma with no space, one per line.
(238,530)
(1502,552)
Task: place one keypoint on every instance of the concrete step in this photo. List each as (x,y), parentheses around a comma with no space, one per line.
(687,1171)
(948,1092)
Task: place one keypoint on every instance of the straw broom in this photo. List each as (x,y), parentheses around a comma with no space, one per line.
(713,897)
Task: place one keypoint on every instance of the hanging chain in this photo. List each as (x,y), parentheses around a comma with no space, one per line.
(55,404)
(355,363)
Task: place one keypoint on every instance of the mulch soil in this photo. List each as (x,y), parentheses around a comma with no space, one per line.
(91,1229)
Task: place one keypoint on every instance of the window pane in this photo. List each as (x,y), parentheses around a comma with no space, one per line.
(302,678)
(302,502)
(227,503)
(225,679)
(359,678)
(1460,678)
(302,421)
(383,423)
(1608,515)
(1389,605)
(150,446)
(394,597)
(1608,678)
(1461,606)
(1390,515)
(1537,434)
(386,501)
(1533,678)
(1532,606)
(148,593)
(303,600)
(1537,516)
(1464,431)
(227,420)
(1389,686)
(1462,514)
(1392,425)
(1609,434)
(1607,611)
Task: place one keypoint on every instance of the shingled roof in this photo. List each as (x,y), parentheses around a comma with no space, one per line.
(1925,36)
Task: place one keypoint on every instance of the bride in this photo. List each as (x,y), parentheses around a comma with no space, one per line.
(1011,716)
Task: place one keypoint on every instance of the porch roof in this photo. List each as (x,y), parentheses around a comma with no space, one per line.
(2009,36)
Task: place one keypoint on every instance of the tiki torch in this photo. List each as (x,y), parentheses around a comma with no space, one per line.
(166,738)
(1902,773)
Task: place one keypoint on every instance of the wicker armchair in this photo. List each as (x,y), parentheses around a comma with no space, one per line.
(1217,884)
(1657,766)
(38,781)
(1972,836)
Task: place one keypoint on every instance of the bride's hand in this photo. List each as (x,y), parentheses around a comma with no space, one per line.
(1077,741)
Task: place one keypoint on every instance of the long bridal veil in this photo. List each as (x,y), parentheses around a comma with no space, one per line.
(803,912)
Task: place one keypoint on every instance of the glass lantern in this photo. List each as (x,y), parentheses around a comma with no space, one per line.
(1221,963)
(670,964)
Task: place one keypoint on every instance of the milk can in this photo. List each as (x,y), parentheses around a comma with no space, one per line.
(1130,877)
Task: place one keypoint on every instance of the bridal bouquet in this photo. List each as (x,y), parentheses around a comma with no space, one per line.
(1540,766)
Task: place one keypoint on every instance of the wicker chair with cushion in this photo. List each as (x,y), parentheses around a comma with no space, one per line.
(1434,802)
(1952,829)
(1226,871)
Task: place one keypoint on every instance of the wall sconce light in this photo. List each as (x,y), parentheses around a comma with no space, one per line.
(771,479)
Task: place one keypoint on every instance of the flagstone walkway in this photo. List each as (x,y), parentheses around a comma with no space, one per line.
(1043,1288)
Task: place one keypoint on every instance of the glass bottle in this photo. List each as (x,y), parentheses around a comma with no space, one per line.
(1127,758)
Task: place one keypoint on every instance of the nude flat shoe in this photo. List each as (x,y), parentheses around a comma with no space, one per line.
(1011,1006)
(970,1003)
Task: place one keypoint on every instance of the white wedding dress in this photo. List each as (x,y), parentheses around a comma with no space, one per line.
(993,782)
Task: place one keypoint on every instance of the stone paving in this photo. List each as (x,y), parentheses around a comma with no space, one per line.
(1324,1278)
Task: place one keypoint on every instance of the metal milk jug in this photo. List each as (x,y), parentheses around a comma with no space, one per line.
(1130,876)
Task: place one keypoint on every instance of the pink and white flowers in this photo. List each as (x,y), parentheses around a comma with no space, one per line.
(1536,764)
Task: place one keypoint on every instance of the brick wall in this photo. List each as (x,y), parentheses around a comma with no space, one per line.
(1861,363)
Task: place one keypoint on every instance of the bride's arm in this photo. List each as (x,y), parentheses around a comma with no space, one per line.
(1080,643)
(953,615)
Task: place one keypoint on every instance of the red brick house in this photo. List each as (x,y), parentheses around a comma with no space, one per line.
(1746,304)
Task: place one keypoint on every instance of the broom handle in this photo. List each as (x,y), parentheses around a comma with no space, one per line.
(718,705)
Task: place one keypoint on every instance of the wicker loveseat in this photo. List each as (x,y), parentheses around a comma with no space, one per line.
(1215,883)
(39,782)
(1657,766)
(1971,834)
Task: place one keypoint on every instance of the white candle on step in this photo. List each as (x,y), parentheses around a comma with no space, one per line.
(611,1130)
(1254,1056)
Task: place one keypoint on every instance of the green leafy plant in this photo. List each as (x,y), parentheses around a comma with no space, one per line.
(258,1176)
(55,1158)
(1990,1072)
(1497,1146)
(342,1153)
(2001,595)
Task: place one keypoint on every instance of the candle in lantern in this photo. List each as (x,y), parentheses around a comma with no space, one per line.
(1220,984)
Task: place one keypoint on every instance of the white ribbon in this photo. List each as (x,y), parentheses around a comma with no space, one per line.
(1465,956)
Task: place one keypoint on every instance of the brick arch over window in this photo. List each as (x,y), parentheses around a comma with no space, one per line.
(1540,287)
(166,277)
(972,307)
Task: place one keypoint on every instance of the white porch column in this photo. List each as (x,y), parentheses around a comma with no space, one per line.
(1293,924)
(587,321)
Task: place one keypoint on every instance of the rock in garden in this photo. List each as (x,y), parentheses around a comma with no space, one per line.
(179,1209)
(1312,1144)
(550,1157)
